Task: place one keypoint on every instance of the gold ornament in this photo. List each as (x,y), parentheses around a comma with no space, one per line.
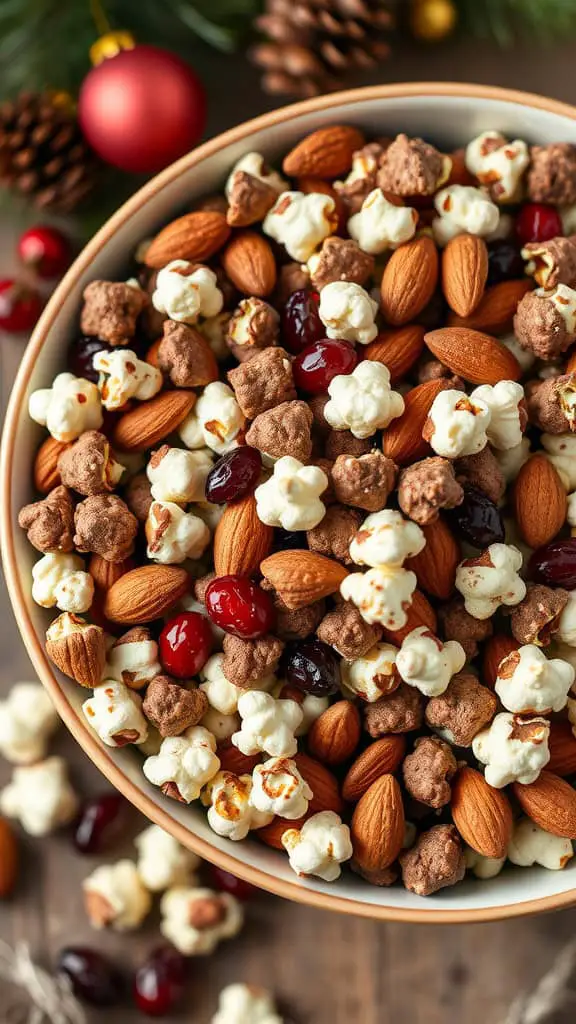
(433,20)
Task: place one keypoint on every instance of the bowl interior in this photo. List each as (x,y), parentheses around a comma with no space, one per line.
(446,115)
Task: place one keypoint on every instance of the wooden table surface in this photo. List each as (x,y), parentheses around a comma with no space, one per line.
(328,969)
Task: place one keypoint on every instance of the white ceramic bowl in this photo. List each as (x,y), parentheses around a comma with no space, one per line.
(448,115)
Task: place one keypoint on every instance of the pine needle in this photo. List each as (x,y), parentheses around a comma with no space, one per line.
(506,21)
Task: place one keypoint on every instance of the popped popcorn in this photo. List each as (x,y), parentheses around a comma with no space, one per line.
(363,401)
(162,862)
(481,866)
(319,847)
(115,897)
(254,164)
(185,292)
(214,422)
(40,797)
(27,721)
(382,594)
(512,460)
(278,788)
(566,628)
(491,580)
(428,664)
(71,406)
(268,725)
(348,312)
(115,713)
(504,431)
(380,225)
(59,581)
(184,764)
(529,683)
(245,1004)
(291,497)
(195,921)
(561,451)
(230,813)
(123,376)
(498,164)
(373,675)
(133,659)
(457,425)
(300,222)
(462,208)
(514,749)
(531,845)
(386,538)
(174,535)
(178,475)
(222,694)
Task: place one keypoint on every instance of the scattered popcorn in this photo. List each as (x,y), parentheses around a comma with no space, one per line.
(566,627)
(382,595)
(178,475)
(300,222)
(246,1004)
(380,225)
(291,497)
(386,538)
(319,847)
(348,312)
(456,425)
(115,897)
(498,164)
(184,764)
(133,659)
(531,845)
(254,324)
(195,921)
(115,713)
(529,683)
(491,580)
(513,749)
(174,535)
(278,788)
(123,376)
(481,866)
(255,165)
(372,676)
(230,813)
(311,707)
(561,450)
(512,460)
(162,861)
(185,292)
(214,422)
(507,417)
(71,406)
(462,209)
(363,401)
(40,797)
(27,721)
(59,581)
(563,299)
(428,664)
(215,329)
(222,694)
(268,725)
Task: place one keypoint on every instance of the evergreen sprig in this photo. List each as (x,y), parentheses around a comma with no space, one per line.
(505,21)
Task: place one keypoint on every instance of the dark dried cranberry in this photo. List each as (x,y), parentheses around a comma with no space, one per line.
(301,323)
(477,519)
(504,262)
(537,222)
(320,362)
(555,564)
(240,607)
(294,540)
(226,882)
(313,667)
(81,354)
(100,822)
(159,982)
(93,978)
(234,475)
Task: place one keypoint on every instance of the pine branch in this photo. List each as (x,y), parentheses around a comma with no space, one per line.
(505,21)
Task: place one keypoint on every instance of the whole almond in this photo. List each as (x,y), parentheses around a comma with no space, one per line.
(81,653)
(398,349)
(8,859)
(539,501)
(233,760)
(420,613)
(302,577)
(323,784)
(46,472)
(105,573)
(562,746)
(144,594)
(496,648)
(150,422)
(377,827)
(195,237)
(335,734)
(436,565)
(550,802)
(476,357)
(464,272)
(241,539)
(272,834)
(326,153)
(409,280)
(249,263)
(495,311)
(382,757)
(402,441)
(482,815)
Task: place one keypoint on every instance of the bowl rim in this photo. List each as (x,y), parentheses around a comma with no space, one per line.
(79,729)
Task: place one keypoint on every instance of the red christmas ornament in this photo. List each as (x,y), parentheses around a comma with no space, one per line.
(140,107)
(20,306)
(46,250)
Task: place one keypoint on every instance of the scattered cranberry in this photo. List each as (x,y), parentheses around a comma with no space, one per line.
(234,475)
(477,519)
(226,882)
(320,362)
(537,222)
(239,606)
(504,262)
(80,356)
(100,822)
(301,323)
(93,978)
(46,250)
(20,306)
(185,644)
(313,667)
(159,982)
(555,564)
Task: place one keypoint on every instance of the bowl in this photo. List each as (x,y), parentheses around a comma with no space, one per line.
(447,114)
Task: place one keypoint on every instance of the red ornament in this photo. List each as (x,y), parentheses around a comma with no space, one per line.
(141,109)
(20,306)
(46,250)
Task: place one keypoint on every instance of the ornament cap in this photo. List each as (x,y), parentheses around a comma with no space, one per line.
(110,45)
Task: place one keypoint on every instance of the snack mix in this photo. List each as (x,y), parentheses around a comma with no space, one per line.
(306,521)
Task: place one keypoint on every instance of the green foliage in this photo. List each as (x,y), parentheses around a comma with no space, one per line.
(505,21)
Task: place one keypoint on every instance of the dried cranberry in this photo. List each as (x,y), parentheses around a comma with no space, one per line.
(185,644)
(504,262)
(313,667)
(294,540)
(477,519)
(226,882)
(93,978)
(100,822)
(301,323)
(159,982)
(234,475)
(320,362)
(240,607)
(555,564)
(537,222)
(80,356)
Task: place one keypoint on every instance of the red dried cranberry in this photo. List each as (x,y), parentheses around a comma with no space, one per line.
(555,564)
(46,250)
(20,306)
(240,607)
(537,222)
(93,978)
(185,644)
(320,362)
(477,519)
(159,982)
(504,262)
(234,475)
(226,882)
(301,323)
(100,822)
(80,356)
(313,667)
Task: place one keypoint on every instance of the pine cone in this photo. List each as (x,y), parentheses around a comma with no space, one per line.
(311,44)
(43,154)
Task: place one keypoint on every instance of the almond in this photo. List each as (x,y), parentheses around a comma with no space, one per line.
(402,441)
(152,352)
(323,784)
(496,309)
(496,648)
(397,349)
(241,539)
(436,565)
(77,648)
(476,357)
(464,273)
(302,577)
(539,501)
(144,594)
(420,613)
(249,263)
(335,734)
(482,815)
(409,280)
(46,472)
(233,760)
(8,859)
(194,237)
(550,802)
(381,758)
(562,746)
(272,834)
(150,422)
(377,827)
(326,153)
(105,573)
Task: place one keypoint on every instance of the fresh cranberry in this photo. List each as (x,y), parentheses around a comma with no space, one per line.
(234,475)
(320,362)
(93,978)
(537,222)
(226,882)
(555,564)
(185,644)
(100,822)
(81,354)
(313,667)
(240,606)
(504,262)
(301,323)
(477,519)
(159,982)
(20,306)
(46,250)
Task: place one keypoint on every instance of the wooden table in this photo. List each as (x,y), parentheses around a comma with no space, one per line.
(328,969)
